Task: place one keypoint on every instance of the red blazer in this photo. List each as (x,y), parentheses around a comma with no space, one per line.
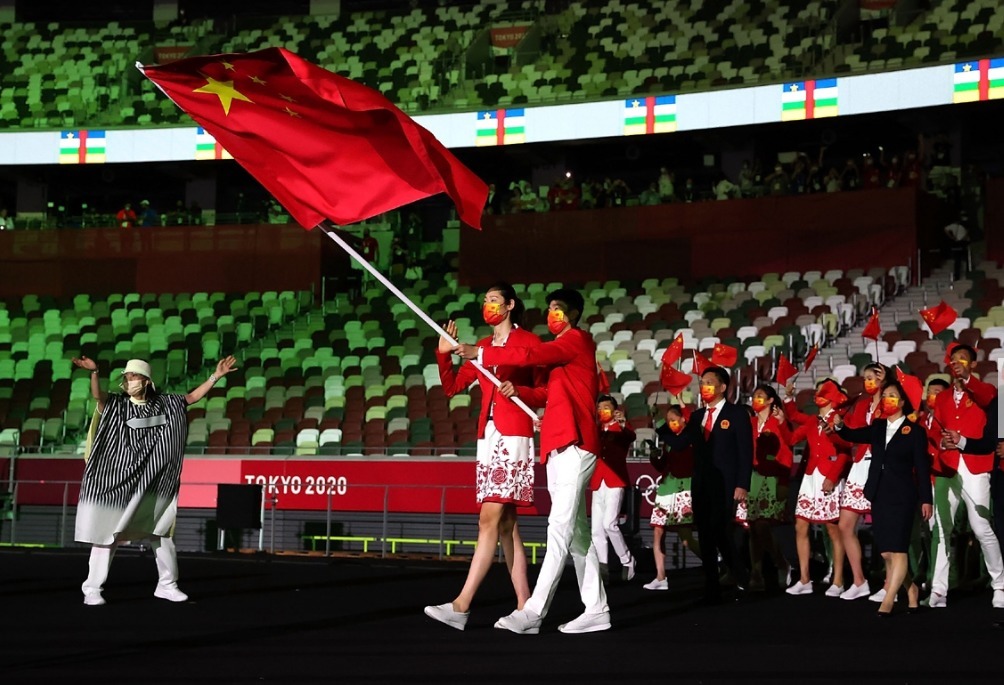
(857,417)
(933,431)
(772,441)
(611,467)
(572,388)
(508,418)
(967,418)
(828,453)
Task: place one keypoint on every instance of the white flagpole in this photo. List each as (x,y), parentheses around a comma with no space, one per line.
(333,234)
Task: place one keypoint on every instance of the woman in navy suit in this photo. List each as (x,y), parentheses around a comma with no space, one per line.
(898,479)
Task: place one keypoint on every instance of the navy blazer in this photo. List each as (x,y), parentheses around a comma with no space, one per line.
(901,470)
(727,455)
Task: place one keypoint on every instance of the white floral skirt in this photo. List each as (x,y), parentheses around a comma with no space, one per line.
(676,509)
(505,468)
(853,495)
(813,504)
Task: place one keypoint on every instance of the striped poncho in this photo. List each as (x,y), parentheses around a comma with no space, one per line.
(131,481)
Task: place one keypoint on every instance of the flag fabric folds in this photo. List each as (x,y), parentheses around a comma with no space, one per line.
(673,352)
(811,357)
(604,382)
(674,381)
(724,355)
(939,318)
(872,330)
(701,363)
(785,370)
(324,146)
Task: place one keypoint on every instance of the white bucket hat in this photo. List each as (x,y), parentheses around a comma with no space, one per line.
(139,366)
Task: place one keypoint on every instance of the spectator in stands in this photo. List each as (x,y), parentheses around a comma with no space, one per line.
(673,508)
(126,217)
(850,177)
(6,222)
(722,439)
(133,472)
(504,471)
(608,483)
(179,215)
(913,171)
(833,181)
(650,196)
(689,192)
(370,248)
(748,180)
(563,195)
(618,194)
(799,180)
(666,181)
(587,196)
(147,215)
(569,441)
(195,214)
(893,173)
(494,204)
(815,182)
(872,173)
(725,189)
(958,244)
(778,182)
(398,260)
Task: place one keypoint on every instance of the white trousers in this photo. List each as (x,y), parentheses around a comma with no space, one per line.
(972,490)
(164,553)
(606,510)
(568,475)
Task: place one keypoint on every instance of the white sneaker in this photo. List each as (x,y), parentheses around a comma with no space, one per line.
(834,591)
(998,599)
(444,613)
(800,588)
(587,623)
(628,570)
(171,593)
(878,596)
(657,584)
(936,601)
(521,621)
(856,591)
(93,598)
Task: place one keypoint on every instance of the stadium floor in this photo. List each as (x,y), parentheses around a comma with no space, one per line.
(354,620)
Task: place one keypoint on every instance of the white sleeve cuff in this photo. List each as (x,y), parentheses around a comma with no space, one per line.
(962,443)
(480,354)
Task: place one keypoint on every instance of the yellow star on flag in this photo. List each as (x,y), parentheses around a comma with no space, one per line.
(225,91)
(260,82)
(292,113)
(228,66)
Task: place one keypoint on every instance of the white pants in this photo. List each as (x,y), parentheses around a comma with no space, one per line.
(568,475)
(164,552)
(606,510)
(973,490)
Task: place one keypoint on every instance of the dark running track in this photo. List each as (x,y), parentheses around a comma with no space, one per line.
(352,620)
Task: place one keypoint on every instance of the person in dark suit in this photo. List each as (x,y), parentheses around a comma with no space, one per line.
(722,440)
(898,479)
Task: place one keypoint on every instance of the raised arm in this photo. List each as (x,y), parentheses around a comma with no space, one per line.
(96,392)
(223,367)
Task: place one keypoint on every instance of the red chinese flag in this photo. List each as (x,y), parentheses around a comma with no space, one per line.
(674,381)
(604,382)
(811,357)
(673,352)
(324,146)
(939,318)
(724,355)
(785,370)
(872,330)
(701,363)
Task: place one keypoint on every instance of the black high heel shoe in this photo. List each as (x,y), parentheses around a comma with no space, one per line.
(883,614)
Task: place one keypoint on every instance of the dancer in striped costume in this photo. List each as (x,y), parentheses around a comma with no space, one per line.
(133,473)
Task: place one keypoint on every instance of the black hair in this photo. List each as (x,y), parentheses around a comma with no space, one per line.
(940,382)
(967,348)
(678,408)
(875,366)
(908,407)
(509,293)
(607,398)
(570,297)
(721,374)
(771,394)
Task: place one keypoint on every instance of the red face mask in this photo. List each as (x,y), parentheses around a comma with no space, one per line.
(821,401)
(493,313)
(871,386)
(931,399)
(556,321)
(605,415)
(890,405)
(676,426)
(759,403)
(707,392)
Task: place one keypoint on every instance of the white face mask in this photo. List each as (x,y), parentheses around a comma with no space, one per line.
(135,388)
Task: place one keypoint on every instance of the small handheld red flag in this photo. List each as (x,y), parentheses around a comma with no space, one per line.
(701,363)
(939,318)
(811,357)
(674,381)
(724,355)
(673,352)
(326,147)
(872,330)
(604,382)
(785,370)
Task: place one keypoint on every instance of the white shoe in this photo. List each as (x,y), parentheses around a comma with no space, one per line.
(800,588)
(878,596)
(856,591)
(171,593)
(93,598)
(444,613)
(587,623)
(521,621)
(834,591)
(936,601)
(657,584)
(998,599)
(629,569)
